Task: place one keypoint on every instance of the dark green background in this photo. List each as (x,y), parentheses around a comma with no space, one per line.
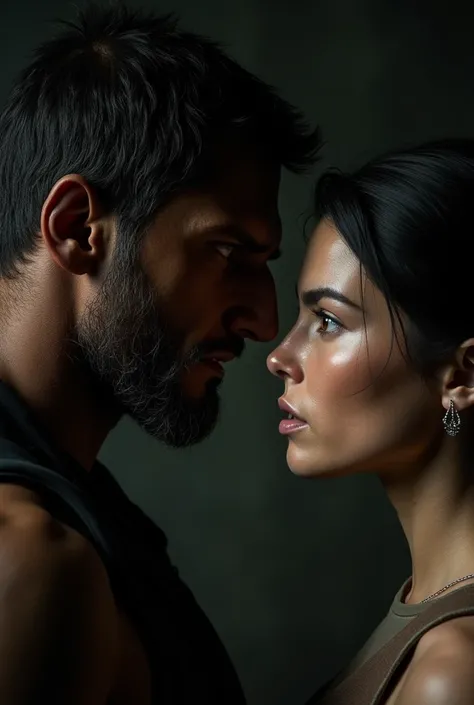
(293,573)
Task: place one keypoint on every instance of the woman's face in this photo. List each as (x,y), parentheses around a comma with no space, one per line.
(363,406)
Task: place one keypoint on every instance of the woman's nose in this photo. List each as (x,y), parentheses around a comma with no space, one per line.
(283,364)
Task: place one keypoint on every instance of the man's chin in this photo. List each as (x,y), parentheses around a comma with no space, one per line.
(180,422)
(199,380)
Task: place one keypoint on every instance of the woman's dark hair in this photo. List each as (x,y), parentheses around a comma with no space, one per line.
(133,104)
(409,218)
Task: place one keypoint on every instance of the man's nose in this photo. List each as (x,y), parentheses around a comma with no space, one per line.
(257,316)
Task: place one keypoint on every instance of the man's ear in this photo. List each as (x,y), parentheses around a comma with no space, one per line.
(458,378)
(72,226)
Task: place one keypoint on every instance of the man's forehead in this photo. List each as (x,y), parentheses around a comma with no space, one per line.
(249,180)
(236,163)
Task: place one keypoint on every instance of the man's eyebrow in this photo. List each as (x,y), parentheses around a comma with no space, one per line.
(312,297)
(244,239)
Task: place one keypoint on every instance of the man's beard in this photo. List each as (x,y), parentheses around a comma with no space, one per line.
(138,361)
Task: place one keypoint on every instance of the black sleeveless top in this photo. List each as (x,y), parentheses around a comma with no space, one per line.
(188,662)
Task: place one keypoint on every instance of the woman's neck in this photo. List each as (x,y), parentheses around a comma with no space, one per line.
(436,509)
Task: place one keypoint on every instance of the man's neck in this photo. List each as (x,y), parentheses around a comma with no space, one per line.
(33,361)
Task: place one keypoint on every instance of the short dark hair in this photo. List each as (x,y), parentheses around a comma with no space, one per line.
(132,103)
(409,218)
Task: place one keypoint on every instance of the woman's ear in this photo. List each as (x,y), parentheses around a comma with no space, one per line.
(458,378)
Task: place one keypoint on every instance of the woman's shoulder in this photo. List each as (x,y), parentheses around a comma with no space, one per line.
(442,669)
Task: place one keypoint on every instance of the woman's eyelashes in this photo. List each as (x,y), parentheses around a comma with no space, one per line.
(325,323)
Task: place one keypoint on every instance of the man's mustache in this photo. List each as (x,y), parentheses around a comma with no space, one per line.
(233,344)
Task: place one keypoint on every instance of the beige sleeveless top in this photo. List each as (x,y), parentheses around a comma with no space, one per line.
(398,616)
(373,672)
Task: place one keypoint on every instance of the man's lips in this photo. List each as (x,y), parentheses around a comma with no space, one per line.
(294,422)
(215,360)
(219,356)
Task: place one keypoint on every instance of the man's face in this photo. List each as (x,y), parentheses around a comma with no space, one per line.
(158,332)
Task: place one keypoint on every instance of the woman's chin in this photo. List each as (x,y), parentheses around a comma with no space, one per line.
(301,463)
(307,464)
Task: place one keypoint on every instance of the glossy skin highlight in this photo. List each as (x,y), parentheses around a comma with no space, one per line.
(345,373)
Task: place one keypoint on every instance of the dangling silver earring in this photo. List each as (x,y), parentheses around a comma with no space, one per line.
(451,420)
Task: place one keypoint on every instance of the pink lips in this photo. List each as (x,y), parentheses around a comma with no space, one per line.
(292,424)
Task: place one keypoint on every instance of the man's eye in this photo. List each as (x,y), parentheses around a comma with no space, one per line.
(225,249)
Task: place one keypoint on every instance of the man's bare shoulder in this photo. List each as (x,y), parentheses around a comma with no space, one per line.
(31,538)
(56,604)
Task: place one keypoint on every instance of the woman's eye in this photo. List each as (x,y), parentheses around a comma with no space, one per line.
(326,324)
(225,249)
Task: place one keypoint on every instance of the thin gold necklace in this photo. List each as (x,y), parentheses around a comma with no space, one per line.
(446,587)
